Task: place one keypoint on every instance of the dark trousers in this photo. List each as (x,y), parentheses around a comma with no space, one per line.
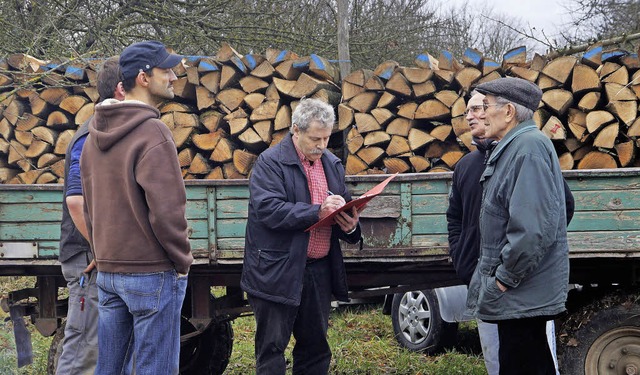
(275,322)
(524,349)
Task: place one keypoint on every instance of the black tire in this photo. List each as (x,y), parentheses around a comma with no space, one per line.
(607,340)
(207,353)
(55,349)
(417,323)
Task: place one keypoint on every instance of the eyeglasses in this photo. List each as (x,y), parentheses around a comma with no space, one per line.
(473,109)
(487,105)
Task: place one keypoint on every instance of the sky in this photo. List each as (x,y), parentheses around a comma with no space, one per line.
(548,15)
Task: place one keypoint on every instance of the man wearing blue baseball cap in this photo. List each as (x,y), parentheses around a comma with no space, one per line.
(521,280)
(135,213)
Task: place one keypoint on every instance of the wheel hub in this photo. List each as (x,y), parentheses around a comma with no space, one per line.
(617,352)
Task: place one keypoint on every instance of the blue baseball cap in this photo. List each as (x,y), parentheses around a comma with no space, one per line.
(144,56)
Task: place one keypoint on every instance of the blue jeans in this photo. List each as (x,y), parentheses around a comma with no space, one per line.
(140,313)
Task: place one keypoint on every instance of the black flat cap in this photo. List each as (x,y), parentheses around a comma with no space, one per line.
(516,90)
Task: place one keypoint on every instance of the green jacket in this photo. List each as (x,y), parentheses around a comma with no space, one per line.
(523,230)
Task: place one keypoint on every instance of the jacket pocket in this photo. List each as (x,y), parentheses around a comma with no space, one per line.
(274,274)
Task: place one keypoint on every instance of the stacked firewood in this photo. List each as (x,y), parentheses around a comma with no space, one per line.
(411,119)
(229,108)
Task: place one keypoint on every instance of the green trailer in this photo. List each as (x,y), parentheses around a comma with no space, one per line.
(404,249)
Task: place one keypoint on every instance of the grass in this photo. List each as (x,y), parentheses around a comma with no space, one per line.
(361,339)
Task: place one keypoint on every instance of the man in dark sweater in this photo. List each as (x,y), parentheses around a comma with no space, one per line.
(80,347)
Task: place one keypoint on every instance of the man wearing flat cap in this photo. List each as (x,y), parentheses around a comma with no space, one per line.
(522,275)
(135,213)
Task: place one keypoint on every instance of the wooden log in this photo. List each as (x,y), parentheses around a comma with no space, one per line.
(419,138)
(46,178)
(635,83)
(181,135)
(584,79)
(58,120)
(598,119)
(597,160)
(252,140)
(626,152)
(525,73)
(354,141)
(231,98)
(592,57)
(382,115)
(16,152)
(252,61)
(211,81)
(554,129)
(185,156)
(515,56)
(265,130)
(287,71)
(238,125)
(355,165)
(199,165)
(254,100)
(431,109)
(634,129)
(243,161)
(253,84)
(614,73)
(327,96)
(447,97)
(229,77)
(407,110)
(227,54)
(283,118)
(420,90)
(386,100)
(560,69)
(25,138)
(349,90)
(472,57)
(489,77)
(558,100)
(426,61)
(215,174)
(84,113)
(266,111)
(626,111)
(365,123)
(466,77)
(54,95)
(589,101)
(263,70)
(211,120)
(398,146)
(6,129)
(306,86)
(616,91)
(451,158)
(490,66)
(419,163)
(386,69)
(47,159)
(606,137)
(399,85)
(445,77)
(14,110)
(223,152)
(57,168)
(396,165)
(416,75)
(441,132)
(460,125)
(207,141)
(400,126)
(7,174)
(545,82)
(371,155)
(566,161)
(182,88)
(230,172)
(204,98)
(577,123)
(322,68)
(376,138)
(364,102)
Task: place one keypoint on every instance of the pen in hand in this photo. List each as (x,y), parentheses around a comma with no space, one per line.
(329,192)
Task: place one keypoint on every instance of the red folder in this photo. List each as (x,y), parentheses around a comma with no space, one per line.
(358,203)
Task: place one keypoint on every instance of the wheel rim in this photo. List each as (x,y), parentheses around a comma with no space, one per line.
(414,316)
(615,352)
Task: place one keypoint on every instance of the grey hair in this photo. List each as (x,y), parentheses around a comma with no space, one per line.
(309,110)
(522,113)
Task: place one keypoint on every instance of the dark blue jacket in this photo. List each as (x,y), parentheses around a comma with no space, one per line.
(280,210)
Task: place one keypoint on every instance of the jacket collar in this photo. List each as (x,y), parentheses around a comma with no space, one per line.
(514,133)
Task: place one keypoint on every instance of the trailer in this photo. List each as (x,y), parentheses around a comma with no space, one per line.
(404,251)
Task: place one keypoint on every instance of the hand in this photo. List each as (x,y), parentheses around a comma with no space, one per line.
(330,204)
(348,220)
(90,267)
(501,286)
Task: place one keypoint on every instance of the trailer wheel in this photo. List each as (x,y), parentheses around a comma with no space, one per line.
(55,349)
(207,353)
(417,323)
(607,343)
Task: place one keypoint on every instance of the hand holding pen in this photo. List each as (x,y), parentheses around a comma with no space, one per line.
(331,203)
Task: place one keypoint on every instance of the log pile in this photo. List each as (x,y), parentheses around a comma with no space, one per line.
(411,119)
(229,108)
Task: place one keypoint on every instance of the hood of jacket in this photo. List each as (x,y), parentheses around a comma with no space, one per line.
(114,119)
